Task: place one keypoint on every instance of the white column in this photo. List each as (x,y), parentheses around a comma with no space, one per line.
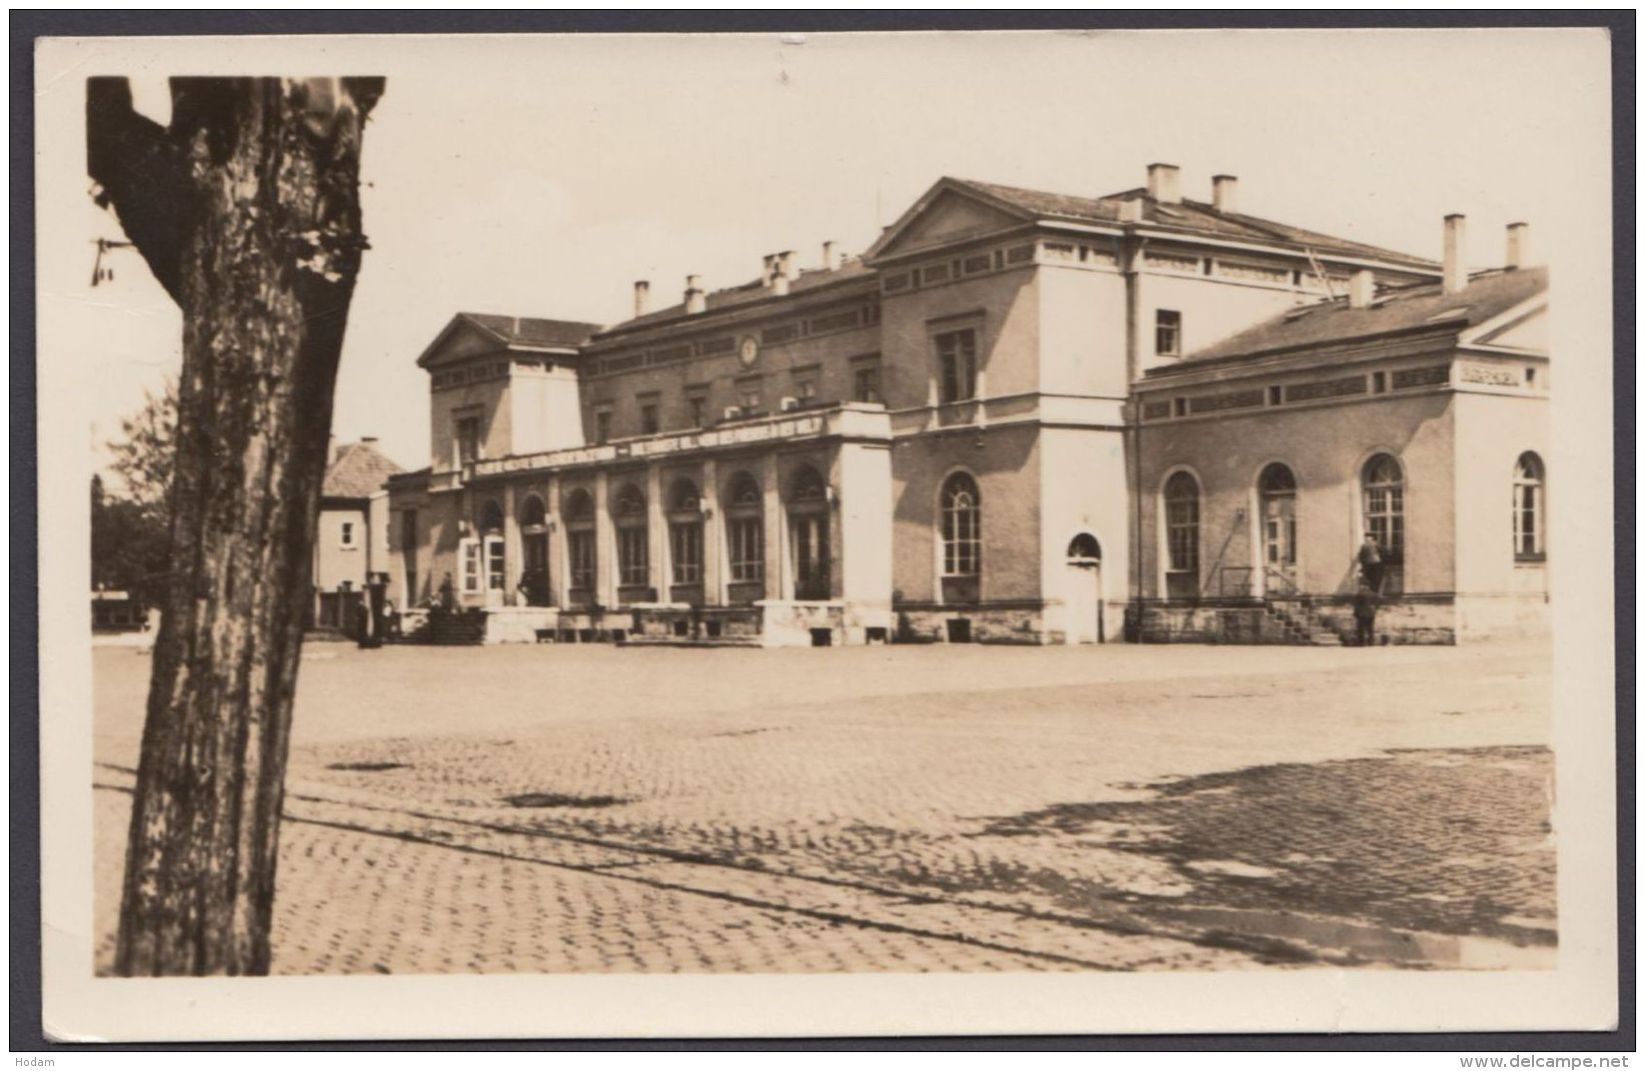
(714,570)
(513,550)
(605,563)
(658,567)
(776,561)
(559,561)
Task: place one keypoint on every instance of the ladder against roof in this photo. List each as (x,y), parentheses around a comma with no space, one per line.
(1319,273)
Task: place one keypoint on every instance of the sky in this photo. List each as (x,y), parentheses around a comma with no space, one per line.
(541,176)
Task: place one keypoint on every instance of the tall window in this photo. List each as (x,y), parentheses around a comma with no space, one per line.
(698,404)
(746,530)
(1182,535)
(648,418)
(472,564)
(685,533)
(1528,509)
(865,382)
(346,539)
(957,365)
(579,525)
(602,425)
(1384,488)
(490,524)
(1168,333)
(468,440)
(808,525)
(961,526)
(633,564)
(1278,487)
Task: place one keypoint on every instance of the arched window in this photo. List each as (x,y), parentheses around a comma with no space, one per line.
(1084,548)
(961,526)
(532,513)
(1181,536)
(1384,487)
(1277,487)
(579,531)
(633,561)
(1529,480)
(808,527)
(490,517)
(685,532)
(745,529)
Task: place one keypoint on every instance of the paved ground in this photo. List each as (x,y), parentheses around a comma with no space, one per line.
(908,808)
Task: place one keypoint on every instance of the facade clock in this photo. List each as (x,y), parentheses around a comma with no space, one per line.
(748,350)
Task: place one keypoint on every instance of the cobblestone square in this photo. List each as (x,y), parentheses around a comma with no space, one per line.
(943,808)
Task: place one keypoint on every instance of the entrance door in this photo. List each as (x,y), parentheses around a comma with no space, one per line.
(810,536)
(1279,530)
(534,580)
(1084,590)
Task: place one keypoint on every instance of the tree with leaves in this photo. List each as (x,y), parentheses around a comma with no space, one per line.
(246,208)
(130,514)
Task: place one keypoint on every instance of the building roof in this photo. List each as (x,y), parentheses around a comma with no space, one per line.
(1487,296)
(357,470)
(531,331)
(750,293)
(1192,218)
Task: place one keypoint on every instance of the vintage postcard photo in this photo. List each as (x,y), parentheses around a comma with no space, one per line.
(790,534)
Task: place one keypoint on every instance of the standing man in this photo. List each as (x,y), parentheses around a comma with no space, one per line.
(1370,564)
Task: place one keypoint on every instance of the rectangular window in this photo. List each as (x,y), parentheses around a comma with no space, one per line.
(496,574)
(747,550)
(602,425)
(686,545)
(748,396)
(1179,407)
(633,569)
(648,418)
(468,440)
(347,536)
(1276,395)
(469,557)
(1379,382)
(865,383)
(957,365)
(1167,333)
(698,407)
(580,547)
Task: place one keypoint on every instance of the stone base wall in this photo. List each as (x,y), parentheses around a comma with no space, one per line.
(519,624)
(1015,624)
(1328,620)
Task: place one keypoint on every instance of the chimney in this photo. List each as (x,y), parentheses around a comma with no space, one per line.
(695,300)
(642,297)
(779,270)
(1519,248)
(829,263)
(1225,193)
(1163,184)
(1362,289)
(1456,232)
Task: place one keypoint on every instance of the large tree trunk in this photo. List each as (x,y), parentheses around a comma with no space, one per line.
(247,209)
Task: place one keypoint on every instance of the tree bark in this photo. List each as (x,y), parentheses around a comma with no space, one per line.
(247,210)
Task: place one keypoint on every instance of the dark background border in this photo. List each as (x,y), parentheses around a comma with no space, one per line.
(23,593)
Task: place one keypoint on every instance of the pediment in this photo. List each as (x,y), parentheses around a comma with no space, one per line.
(944,217)
(1530,332)
(460,340)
